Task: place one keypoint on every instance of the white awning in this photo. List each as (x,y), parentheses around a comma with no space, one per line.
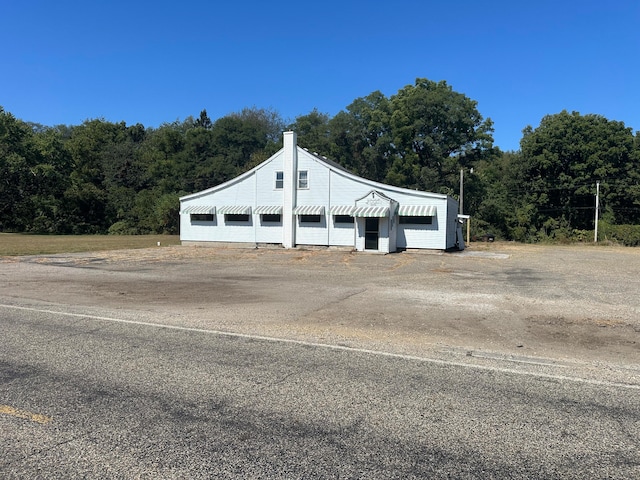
(199,209)
(342,210)
(309,210)
(417,211)
(268,210)
(234,210)
(371,211)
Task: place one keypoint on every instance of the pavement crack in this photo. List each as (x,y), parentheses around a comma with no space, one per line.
(41,451)
(334,302)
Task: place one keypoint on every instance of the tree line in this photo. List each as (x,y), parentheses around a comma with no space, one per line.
(105,177)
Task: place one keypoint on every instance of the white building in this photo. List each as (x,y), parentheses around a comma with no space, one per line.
(297,198)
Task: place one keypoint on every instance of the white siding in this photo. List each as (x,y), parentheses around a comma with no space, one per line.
(318,191)
(197,231)
(421,236)
(345,190)
(383,238)
(268,232)
(328,186)
(266,193)
(240,192)
(312,233)
(341,234)
(316,194)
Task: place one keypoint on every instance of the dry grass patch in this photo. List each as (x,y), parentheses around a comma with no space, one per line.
(12,244)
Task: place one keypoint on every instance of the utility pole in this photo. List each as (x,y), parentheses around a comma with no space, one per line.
(461,215)
(461,189)
(595,235)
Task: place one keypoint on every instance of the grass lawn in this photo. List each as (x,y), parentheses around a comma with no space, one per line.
(21,244)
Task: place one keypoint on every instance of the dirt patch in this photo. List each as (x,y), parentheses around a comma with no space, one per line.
(576,302)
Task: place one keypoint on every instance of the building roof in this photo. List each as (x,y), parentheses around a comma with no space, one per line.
(332,165)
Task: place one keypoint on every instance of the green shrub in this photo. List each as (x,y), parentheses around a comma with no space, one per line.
(628,235)
(123,227)
(582,235)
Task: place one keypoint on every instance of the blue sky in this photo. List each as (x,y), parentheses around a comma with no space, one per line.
(154,62)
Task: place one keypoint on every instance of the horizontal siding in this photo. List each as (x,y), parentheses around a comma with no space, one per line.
(318,191)
(341,234)
(196,231)
(267,194)
(425,236)
(418,236)
(345,191)
(216,231)
(327,187)
(312,233)
(268,232)
(238,193)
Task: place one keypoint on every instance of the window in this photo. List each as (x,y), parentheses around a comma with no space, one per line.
(310,218)
(279,180)
(202,217)
(233,217)
(416,220)
(343,218)
(303,179)
(269,217)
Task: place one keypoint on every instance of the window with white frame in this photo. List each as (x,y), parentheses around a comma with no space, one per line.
(279,180)
(303,179)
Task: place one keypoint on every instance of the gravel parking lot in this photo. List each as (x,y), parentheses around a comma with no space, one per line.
(573,303)
(503,361)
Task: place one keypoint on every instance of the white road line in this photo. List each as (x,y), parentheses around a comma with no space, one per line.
(335,347)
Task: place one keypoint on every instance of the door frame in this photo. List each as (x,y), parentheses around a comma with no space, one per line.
(368,231)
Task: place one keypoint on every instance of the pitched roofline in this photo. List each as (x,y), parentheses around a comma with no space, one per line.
(239,178)
(339,169)
(332,165)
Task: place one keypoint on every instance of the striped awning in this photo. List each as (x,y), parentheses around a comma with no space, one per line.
(417,210)
(371,211)
(268,210)
(234,210)
(342,210)
(199,209)
(309,210)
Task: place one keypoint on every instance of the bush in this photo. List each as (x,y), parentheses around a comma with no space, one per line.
(123,227)
(628,235)
(583,236)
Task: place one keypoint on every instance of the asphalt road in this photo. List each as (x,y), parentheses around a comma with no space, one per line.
(91,397)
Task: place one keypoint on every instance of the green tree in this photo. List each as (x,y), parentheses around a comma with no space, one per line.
(16,177)
(51,177)
(91,146)
(494,197)
(361,138)
(435,131)
(267,122)
(312,131)
(34,172)
(204,121)
(562,160)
